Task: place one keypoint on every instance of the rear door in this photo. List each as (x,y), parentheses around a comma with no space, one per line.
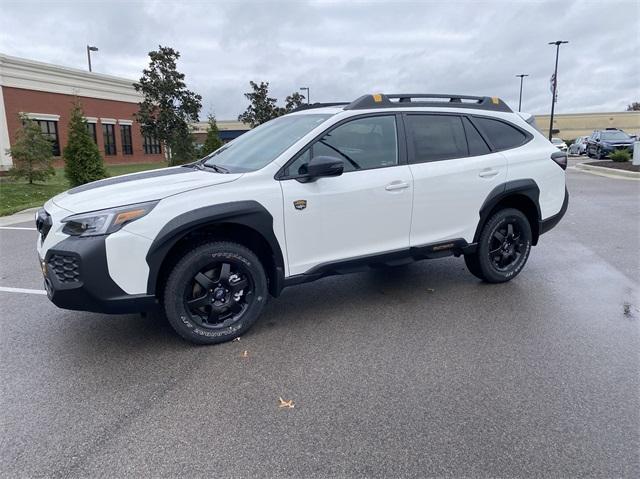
(453,172)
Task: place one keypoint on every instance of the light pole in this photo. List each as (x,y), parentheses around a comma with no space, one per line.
(89,50)
(522,75)
(555,84)
(307,89)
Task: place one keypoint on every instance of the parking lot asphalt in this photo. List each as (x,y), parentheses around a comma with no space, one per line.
(409,372)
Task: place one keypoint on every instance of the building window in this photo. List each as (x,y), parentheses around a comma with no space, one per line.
(109,133)
(93,133)
(50,130)
(127,145)
(151,146)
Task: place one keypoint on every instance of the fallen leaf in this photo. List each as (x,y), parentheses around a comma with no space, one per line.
(236,339)
(245,354)
(286,404)
(430,290)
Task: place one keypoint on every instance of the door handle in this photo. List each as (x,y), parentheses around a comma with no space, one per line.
(396,185)
(488,173)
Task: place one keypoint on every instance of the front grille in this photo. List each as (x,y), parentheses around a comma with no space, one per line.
(65,267)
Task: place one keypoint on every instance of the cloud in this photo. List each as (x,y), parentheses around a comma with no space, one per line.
(344,49)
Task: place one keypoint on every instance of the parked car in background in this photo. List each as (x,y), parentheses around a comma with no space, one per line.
(559,144)
(579,146)
(601,143)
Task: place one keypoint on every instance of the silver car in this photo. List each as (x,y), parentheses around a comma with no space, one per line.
(579,146)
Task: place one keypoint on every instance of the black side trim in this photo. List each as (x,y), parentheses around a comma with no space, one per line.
(246,213)
(526,187)
(93,289)
(126,178)
(391,258)
(552,221)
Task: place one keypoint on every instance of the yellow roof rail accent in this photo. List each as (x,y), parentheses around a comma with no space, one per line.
(377,97)
(495,100)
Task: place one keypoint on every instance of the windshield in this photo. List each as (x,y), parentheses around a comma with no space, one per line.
(260,146)
(614,135)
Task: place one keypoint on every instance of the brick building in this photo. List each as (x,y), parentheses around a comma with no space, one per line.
(46,94)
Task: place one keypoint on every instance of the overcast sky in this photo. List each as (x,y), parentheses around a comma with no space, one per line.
(342,49)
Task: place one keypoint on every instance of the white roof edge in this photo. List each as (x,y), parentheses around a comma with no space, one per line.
(39,76)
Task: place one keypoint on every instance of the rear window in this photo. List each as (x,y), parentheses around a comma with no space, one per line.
(436,137)
(501,135)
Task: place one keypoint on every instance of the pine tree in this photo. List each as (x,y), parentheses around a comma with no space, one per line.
(31,153)
(213,141)
(82,160)
(182,146)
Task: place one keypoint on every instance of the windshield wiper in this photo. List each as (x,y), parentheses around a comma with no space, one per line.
(216,168)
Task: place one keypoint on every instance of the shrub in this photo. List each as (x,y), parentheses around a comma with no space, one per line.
(82,160)
(213,141)
(31,153)
(620,156)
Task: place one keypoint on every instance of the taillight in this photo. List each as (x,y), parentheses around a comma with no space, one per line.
(560,157)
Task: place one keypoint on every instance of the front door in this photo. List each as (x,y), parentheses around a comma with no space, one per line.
(365,211)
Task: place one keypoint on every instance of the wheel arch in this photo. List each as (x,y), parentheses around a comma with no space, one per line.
(522,194)
(244,222)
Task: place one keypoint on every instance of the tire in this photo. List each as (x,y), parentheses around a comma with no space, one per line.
(215,292)
(503,247)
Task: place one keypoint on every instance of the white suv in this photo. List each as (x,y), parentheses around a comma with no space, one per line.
(381,181)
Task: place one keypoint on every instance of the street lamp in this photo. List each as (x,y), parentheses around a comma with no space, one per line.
(307,89)
(521,80)
(89,50)
(555,84)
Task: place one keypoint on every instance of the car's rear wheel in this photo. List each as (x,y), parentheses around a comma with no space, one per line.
(503,247)
(215,292)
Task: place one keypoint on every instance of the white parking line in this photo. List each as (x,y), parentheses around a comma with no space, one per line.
(17,228)
(22,290)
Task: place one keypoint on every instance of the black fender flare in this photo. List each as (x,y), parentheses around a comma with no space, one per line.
(525,187)
(250,214)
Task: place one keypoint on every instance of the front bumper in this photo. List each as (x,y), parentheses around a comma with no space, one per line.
(76,276)
(608,149)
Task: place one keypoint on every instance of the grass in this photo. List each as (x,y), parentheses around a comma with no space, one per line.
(20,195)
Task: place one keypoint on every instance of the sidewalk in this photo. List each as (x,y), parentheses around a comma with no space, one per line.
(20,217)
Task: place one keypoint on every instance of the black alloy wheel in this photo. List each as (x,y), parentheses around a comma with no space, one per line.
(219,294)
(503,247)
(215,292)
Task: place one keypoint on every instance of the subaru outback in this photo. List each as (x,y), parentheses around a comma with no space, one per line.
(329,189)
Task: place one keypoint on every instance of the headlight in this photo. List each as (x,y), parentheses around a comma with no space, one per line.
(104,222)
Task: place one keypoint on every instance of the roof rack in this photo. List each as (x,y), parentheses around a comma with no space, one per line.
(311,106)
(380,100)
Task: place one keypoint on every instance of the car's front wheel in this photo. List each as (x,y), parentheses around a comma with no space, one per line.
(503,247)
(215,292)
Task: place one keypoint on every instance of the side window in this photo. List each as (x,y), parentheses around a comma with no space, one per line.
(436,137)
(501,135)
(477,145)
(361,144)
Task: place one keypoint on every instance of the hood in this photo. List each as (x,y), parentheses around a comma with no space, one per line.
(618,142)
(138,187)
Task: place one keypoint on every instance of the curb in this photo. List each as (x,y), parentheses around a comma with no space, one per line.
(19,217)
(608,172)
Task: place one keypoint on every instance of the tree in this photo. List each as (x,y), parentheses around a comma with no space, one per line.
(182,146)
(635,106)
(263,108)
(82,160)
(168,106)
(31,153)
(293,101)
(213,141)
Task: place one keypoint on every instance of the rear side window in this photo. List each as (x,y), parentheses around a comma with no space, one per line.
(501,135)
(436,137)
(477,145)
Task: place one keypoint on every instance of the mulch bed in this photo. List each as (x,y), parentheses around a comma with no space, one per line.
(627,166)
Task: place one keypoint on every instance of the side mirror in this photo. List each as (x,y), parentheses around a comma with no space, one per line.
(598,140)
(321,166)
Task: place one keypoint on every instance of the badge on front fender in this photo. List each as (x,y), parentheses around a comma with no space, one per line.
(300,204)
